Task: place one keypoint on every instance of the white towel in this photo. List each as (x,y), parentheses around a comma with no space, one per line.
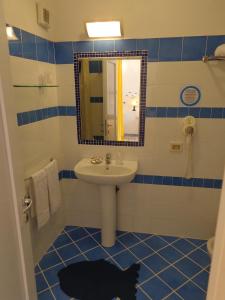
(40,187)
(53,186)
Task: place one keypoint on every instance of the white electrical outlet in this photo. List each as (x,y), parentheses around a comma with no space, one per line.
(176,146)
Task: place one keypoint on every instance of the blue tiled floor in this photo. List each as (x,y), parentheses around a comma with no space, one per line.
(171,268)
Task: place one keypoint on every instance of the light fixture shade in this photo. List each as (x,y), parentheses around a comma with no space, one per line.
(10,33)
(103,29)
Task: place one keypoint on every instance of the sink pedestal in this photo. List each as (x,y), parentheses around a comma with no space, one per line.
(107,177)
(108,203)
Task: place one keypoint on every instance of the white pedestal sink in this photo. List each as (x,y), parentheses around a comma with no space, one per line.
(107,177)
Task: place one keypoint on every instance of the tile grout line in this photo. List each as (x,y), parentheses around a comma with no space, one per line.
(127,248)
(170,264)
(59,256)
(173,265)
(81,252)
(49,288)
(155,274)
(111,257)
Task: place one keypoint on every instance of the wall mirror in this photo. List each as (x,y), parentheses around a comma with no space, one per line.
(110,97)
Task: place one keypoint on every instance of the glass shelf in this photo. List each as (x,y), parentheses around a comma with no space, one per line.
(34,86)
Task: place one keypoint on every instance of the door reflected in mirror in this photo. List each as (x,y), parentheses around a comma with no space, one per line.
(109,96)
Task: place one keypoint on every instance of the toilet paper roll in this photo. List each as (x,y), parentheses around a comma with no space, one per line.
(220,50)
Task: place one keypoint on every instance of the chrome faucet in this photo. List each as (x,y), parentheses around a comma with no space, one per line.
(108,158)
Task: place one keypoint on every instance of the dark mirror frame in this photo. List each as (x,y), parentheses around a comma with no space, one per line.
(143,54)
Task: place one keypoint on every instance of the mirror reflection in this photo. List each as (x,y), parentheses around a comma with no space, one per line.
(110,98)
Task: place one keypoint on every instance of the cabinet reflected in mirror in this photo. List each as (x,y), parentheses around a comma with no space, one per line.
(109,91)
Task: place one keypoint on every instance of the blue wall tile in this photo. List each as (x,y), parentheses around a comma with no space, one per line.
(172,112)
(164,49)
(151,112)
(62,110)
(71,111)
(64,53)
(104,46)
(33,116)
(194,111)
(125,45)
(187,182)
(160,180)
(167,180)
(205,112)
(51,52)
(194,48)
(183,112)
(217,113)
(39,114)
(198,182)
(96,99)
(148,179)
(177,181)
(52,112)
(161,112)
(95,66)
(217,183)
(152,45)
(170,49)
(42,49)
(208,183)
(83,46)
(29,45)
(19,119)
(139,179)
(25,118)
(45,113)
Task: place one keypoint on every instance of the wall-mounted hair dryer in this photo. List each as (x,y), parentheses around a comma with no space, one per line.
(189,128)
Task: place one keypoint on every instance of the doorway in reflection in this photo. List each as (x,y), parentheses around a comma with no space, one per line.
(110,98)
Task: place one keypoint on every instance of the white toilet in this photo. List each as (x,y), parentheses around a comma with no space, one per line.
(210,246)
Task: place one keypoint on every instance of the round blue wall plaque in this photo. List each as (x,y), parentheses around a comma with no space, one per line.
(190,95)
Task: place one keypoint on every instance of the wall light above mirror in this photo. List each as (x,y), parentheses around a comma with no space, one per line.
(111,97)
(103,29)
(10,33)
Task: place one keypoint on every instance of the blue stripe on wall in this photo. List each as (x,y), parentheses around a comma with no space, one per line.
(190,48)
(180,112)
(161,180)
(28,117)
(31,46)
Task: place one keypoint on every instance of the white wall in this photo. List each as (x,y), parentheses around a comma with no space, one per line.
(131,70)
(181,211)
(146,208)
(39,141)
(141,19)
(23,14)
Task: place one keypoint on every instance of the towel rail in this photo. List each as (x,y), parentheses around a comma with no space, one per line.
(30,177)
(213,58)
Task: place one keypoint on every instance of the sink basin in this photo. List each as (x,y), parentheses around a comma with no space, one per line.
(112,174)
(107,177)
